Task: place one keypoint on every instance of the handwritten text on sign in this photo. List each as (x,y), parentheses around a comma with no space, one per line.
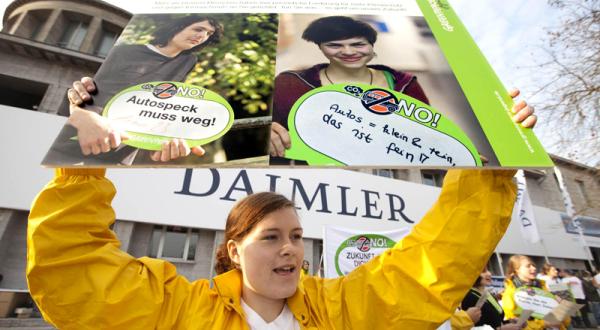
(379,127)
(162,111)
(539,301)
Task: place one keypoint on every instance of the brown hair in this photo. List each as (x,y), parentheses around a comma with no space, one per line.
(514,262)
(242,218)
(546,268)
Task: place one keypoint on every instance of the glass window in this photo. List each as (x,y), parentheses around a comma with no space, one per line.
(384,172)
(433,177)
(107,40)
(74,34)
(582,191)
(174,243)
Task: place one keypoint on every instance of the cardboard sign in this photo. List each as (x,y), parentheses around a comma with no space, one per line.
(156,112)
(356,124)
(541,302)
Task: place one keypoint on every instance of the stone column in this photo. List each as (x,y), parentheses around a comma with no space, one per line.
(48,25)
(93,34)
(15,27)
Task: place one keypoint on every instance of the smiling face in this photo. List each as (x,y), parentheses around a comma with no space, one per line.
(270,256)
(526,270)
(348,53)
(192,36)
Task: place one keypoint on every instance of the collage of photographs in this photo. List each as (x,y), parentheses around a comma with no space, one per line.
(279,89)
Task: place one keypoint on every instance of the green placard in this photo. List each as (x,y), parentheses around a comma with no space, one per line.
(540,301)
(358,124)
(156,112)
(359,249)
(513,145)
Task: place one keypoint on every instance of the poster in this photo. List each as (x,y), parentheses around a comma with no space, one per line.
(420,94)
(346,249)
(181,80)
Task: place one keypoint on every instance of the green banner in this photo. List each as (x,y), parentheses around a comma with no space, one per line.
(513,145)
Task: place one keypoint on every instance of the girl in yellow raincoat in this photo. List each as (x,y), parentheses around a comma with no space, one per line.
(80,278)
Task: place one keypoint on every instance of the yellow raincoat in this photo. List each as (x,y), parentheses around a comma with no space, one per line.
(80,279)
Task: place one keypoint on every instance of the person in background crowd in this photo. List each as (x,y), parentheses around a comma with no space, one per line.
(491,311)
(549,274)
(576,287)
(591,294)
(520,272)
(305,267)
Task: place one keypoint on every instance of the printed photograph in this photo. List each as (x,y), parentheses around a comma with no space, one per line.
(176,89)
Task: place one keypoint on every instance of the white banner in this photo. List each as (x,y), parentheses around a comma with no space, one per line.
(523,211)
(346,249)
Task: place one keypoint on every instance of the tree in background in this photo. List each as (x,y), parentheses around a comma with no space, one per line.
(571,74)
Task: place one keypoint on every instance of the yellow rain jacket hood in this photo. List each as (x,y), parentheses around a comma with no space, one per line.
(80,279)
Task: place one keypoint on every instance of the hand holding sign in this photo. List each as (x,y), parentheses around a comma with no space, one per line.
(94,132)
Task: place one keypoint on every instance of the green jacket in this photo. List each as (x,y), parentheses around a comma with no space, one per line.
(80,279)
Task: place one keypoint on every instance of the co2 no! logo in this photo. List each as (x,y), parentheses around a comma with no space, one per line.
(164,90)
(379,101)
(363,244)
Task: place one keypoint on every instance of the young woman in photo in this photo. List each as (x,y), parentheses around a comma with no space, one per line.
(169,56)
(348,45)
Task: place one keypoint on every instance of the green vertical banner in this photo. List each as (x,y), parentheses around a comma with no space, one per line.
(515,147)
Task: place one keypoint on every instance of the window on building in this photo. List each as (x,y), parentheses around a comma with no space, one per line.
(582,191)
(73,34)
(106,41)
(433,177)
(174,243)
(384,172)
(21,93)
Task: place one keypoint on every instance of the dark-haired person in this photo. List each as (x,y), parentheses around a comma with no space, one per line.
(170,56)
(491,311)
(348,45)
(80,278)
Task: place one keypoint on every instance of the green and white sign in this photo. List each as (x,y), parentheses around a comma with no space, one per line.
(156,112)
(513,145)
(541,302)
(346,249)
(357,124)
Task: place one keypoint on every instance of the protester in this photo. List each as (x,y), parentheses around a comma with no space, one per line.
(591,294)
(549,274)
(305,267)
(491,311)
(520,272)
(80,278)
(576,287)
